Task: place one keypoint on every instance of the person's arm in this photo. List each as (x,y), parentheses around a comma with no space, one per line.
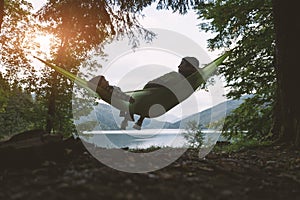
(117,92)
(167,80)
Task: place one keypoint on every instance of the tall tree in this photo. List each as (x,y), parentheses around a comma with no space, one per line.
(81,27)
(14,45)
(247,26)
(17,109)
(263,63)
(17,75)
(287,112)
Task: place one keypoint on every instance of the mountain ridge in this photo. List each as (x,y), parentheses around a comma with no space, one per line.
(108,117)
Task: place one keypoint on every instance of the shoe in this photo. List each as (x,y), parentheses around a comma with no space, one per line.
(137,127)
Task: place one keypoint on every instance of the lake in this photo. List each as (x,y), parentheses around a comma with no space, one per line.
(141,139)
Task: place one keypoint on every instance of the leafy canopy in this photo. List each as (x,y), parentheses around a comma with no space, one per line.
(248,27)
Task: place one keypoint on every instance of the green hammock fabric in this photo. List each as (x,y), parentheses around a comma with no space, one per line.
(169,96)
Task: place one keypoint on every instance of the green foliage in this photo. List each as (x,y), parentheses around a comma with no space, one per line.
(86,126)
(240,144)
(18,111)
(217,125)
(247,26)
(4,86)
(252,116)
(81,27)
(193,135)
(13,40)
(178,6)
(85,25)
(147,150)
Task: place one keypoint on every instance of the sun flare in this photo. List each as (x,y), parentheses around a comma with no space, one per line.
(43,43)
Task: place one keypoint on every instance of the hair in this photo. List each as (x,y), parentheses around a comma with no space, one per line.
(194,62)
(101,78)
(191,66)
(95,82)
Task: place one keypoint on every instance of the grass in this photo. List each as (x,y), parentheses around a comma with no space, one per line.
(240,145)
(146,150)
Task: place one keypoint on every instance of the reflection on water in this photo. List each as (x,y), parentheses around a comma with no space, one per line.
(145,138)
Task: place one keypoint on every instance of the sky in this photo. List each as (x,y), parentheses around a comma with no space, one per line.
(185,28)
(185,24)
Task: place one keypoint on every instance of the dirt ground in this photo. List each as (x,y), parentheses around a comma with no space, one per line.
(65,170)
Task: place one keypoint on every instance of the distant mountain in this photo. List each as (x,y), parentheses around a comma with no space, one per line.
(212,114)
(108,117)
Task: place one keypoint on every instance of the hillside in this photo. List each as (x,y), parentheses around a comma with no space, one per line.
(109,117)
(212,114)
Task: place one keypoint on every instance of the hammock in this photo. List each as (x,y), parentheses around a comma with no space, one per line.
(166,96)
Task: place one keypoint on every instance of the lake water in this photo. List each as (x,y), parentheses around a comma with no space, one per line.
(142,139)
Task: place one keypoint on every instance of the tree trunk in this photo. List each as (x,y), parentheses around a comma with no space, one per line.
(1,12)
(52,104)
(52,111)
(287,113)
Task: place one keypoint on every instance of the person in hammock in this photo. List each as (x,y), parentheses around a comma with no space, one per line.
(99,82)
(188,66)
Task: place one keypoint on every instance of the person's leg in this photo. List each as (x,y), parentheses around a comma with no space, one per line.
(127,117)
(124,124)
(122,113)
(138,124)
